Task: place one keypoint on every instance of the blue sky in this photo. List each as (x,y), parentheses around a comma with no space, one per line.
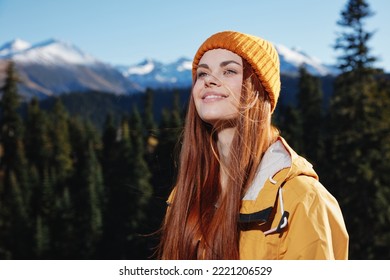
(126,31)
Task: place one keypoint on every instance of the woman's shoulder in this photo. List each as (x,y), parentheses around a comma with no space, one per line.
(308,191)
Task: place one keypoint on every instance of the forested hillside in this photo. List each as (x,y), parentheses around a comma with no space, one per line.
(86,175)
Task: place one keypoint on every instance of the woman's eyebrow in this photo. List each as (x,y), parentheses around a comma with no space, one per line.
(222,64)
(203,66)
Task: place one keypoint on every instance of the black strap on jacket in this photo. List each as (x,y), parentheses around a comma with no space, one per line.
(265,216)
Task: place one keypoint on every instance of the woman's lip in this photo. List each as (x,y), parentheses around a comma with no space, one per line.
(213,95)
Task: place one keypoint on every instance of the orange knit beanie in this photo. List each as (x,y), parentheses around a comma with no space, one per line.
(259,53)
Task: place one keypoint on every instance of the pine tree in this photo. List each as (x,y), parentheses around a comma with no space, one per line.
(11,126)
(177,118)
(18,231)
(15,195)
(141,170)
(110,156)
(41,238)
(164,167)
(95,203)
(357,141)
(66,231)
(310,108)
(353,41)
(85,192)
(288,120)
(140,188)
(43,207)
(382,201)
(61,159)
(38,152)
(57,182)
(118,175)
(171,126)
(37,141)
(109,153)
(148,115)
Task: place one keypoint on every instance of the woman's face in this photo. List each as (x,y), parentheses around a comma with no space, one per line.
(217,89)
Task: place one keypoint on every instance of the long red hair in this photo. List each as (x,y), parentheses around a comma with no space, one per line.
(201,223)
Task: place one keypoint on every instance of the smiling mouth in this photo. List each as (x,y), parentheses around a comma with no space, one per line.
(209,96)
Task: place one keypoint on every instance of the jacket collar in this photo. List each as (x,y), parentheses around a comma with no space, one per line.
(280,163)
(275,159)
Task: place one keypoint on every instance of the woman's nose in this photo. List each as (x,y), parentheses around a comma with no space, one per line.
(211,80)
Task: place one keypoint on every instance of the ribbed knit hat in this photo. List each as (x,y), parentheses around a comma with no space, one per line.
(259,53)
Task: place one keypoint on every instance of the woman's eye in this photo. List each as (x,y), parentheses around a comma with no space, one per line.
(201,74)
(230,72)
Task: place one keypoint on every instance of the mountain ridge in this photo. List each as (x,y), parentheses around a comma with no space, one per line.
(53,67)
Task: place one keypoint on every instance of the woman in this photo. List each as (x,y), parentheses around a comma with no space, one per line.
(241,191)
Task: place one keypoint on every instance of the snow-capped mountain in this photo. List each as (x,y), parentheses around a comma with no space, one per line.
(13,47)
(154,74)
(53,52)
(292,59)
(54,67)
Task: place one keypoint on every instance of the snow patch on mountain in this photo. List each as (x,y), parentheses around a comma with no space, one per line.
(13,47)
(292,59)
(50,52)
(142,68)
(184,65)
(155,74)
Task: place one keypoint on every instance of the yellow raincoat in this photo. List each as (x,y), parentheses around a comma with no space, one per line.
(288,214)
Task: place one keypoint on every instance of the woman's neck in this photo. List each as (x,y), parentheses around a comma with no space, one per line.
(225,139)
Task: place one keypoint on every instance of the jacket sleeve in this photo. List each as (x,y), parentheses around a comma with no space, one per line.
(316,227)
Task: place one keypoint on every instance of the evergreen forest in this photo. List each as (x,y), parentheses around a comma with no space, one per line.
(87,175)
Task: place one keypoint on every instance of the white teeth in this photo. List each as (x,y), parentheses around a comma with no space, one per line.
(213,96)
